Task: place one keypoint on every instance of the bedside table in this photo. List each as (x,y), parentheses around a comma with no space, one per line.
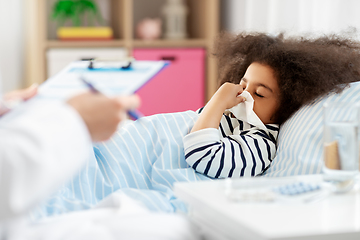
(330,217)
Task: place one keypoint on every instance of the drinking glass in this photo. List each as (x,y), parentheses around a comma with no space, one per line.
(341,141)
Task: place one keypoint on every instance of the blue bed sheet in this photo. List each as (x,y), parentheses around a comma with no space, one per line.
(143,160)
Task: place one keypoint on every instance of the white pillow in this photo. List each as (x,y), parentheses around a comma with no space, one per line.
(300,138)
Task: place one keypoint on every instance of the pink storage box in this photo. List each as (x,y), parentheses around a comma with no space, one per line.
(179,87)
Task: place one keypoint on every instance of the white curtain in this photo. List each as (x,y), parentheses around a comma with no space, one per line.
(292,16)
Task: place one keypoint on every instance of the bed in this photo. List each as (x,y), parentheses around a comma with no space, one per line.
(152,159)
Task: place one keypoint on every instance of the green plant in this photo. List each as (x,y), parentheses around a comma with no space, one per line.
(76,10)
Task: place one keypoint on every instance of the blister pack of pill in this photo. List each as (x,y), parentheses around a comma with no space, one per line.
(297,188)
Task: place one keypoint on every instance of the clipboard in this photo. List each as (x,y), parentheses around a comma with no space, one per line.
(110,80)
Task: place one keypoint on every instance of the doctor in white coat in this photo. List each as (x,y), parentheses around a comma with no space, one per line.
(43,144)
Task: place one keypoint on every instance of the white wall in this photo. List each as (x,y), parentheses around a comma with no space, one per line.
(11,44)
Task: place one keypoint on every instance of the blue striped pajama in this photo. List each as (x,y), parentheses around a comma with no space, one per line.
(236,149)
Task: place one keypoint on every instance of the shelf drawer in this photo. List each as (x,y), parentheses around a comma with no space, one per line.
(58,58)
(180,86)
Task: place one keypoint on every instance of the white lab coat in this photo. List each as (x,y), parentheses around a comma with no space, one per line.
(42,144)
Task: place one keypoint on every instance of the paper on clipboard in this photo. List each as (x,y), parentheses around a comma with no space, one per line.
(111,81)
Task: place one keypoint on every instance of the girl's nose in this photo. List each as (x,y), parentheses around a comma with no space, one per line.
(247,96)
(248,90)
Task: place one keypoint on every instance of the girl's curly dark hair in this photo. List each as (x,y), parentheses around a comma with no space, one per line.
(305,68)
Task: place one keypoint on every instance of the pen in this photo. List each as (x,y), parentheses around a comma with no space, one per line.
(132,113)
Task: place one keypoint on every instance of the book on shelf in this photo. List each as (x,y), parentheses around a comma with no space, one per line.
(85,33)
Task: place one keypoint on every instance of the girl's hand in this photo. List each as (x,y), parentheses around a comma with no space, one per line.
(228,96)
(225,97)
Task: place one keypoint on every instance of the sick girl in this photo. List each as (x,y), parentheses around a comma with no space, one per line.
(263,81)
(281,74)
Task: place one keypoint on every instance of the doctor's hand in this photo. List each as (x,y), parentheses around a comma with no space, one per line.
(102,114)
(12,99)
(22,94)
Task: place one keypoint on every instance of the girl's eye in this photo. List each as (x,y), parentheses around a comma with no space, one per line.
(259,95)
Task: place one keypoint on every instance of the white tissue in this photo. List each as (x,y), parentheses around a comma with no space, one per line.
(244,111)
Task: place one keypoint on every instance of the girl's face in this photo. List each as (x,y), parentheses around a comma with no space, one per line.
(259,80)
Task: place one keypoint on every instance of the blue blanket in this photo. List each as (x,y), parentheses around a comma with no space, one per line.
(143,160)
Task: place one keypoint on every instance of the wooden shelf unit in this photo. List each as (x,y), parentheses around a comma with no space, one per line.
(203,26)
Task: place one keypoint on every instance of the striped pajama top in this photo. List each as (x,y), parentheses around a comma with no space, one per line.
(236,149)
